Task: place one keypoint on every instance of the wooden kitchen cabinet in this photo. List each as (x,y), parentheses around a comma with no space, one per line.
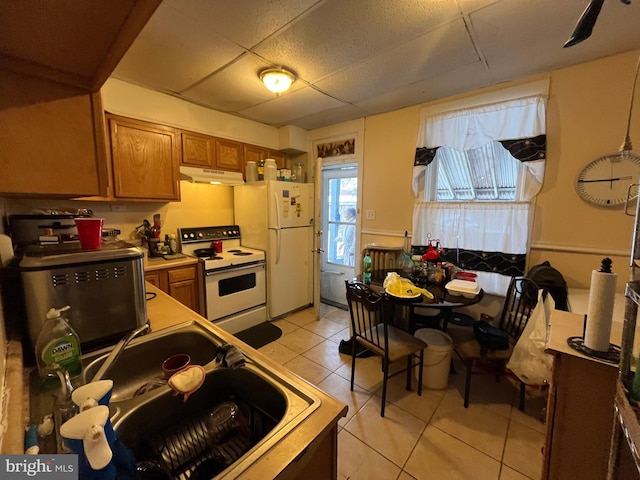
(55,57)
(255,153)
(198,150)
(319,460)
(180,283)
(580,406)
(229,155)
(52,139)
(145,160)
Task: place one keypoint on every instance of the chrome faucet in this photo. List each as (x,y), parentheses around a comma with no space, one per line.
(117,350)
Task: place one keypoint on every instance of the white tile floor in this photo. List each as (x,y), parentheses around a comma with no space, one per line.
(427,437)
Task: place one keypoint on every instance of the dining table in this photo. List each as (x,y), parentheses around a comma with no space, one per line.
(443,301)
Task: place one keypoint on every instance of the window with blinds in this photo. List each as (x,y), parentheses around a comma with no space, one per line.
(488,173)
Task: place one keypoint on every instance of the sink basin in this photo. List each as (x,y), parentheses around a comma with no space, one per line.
(154,423)
(178,438)
(140,363)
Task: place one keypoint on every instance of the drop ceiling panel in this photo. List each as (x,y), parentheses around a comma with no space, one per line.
(174,51)
(457,81)
(337,33)
(235,88)
(330,117)
(376,55)
(429,55)
(245,22)
(522,46)
(280,111)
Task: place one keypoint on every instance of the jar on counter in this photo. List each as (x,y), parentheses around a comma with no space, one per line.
(297,175)
(252,171)
(270,169)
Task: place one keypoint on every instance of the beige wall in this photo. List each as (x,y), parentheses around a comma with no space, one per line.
(586,118)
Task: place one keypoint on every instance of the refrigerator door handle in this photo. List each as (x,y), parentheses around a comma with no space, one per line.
(277,209)
(277,227)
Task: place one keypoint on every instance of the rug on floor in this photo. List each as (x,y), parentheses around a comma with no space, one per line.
(259,335)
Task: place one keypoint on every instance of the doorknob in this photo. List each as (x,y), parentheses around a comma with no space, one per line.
(318,250)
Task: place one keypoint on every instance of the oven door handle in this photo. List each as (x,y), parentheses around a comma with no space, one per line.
(234,269)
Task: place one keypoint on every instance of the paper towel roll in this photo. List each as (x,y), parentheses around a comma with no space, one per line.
(600,311)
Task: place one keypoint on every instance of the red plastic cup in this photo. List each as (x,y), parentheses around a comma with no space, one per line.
(90,232)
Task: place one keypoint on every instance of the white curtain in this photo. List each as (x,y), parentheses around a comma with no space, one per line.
(484,227)
(519,120)
(494,233)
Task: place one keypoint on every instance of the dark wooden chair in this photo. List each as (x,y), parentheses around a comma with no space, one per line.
(371,316)
(519,302)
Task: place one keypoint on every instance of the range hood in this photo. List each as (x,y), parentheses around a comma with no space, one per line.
(208,175)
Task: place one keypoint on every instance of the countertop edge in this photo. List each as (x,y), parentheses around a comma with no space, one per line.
(13,441)
(158,263)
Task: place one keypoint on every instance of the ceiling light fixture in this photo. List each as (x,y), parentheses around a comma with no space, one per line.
(277,80)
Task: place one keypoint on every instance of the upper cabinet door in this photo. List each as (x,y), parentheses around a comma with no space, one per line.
(198,150)
(52,139)
(253,153)
(145,160)
(229,155)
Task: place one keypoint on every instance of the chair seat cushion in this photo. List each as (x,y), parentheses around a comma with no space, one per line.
(401,343)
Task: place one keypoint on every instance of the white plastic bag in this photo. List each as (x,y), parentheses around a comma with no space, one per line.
(529,361)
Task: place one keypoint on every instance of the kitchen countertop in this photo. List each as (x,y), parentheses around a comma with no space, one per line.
(563,325)
(158,263)
(163,311)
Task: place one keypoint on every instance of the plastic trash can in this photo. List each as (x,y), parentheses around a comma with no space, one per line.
(437,358)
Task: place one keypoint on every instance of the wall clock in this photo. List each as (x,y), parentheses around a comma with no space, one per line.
(605,180)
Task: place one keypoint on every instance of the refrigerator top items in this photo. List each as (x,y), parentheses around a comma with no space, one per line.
(197,242)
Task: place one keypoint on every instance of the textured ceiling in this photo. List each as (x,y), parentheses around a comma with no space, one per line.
(355,58)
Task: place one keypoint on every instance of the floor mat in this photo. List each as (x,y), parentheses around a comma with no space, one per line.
(259,335)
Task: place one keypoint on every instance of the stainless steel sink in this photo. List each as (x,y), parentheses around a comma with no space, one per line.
(140,363)
(270,405)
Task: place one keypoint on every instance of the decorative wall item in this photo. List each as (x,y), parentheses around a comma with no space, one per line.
(336,149)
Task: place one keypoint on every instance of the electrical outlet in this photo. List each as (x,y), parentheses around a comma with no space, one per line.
(118,208)
(370,214)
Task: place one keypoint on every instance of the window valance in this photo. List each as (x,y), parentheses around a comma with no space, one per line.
(519,125)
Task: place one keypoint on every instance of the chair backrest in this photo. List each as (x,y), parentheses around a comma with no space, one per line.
(368,310)
(521,299)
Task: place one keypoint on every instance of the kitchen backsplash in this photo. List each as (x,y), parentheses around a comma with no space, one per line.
(200,205)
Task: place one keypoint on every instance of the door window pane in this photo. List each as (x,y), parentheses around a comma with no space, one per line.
(341,208)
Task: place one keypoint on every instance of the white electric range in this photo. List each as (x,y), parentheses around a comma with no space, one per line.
(234,279)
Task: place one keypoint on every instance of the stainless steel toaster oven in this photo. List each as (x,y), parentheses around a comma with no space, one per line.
(105,289)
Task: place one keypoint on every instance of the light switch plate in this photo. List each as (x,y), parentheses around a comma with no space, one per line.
(370,214)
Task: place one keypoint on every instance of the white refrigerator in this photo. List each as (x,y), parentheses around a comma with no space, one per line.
(277,217)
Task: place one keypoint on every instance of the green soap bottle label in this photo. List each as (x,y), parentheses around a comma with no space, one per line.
(63,351)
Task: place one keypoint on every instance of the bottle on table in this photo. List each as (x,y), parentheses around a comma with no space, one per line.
(366,275)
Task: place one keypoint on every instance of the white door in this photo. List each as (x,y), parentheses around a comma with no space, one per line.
(340,222)
(317,238)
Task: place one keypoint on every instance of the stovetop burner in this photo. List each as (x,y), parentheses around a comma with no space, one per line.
(197,242)
(208,253)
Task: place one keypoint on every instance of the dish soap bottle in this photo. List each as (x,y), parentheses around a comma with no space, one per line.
(57,347)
